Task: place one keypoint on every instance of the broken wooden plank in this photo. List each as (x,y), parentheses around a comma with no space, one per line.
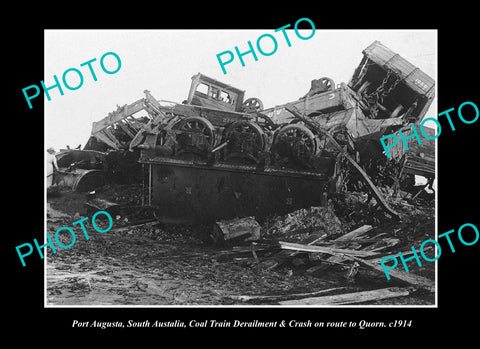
(340,242)
(353,242)
(284,296)
(379,245)
(404,254)
(323,249)
(351,298)
(409,278)
(283,256)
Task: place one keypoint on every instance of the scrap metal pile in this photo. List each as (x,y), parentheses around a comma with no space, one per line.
(217,156)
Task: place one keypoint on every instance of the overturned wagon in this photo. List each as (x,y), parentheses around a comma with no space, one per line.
(218,156)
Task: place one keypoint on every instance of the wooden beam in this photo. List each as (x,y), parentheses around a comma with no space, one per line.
(351,298)
(283,256)
(409,278)
(322,249)
(406,253)
(338,243)
(105,137)
(284,296)
(117,115)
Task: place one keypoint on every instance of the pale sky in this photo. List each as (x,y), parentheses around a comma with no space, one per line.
(163,62)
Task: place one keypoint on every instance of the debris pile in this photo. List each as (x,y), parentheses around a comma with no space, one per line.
(303,222)
(310,253)
(312,242)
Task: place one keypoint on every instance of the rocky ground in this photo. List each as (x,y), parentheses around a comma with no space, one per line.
(158,264)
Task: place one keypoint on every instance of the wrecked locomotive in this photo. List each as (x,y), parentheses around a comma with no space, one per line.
(218,156)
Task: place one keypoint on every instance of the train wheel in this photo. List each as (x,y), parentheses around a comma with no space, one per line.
(246,139)
(297,141)
(197,134)
(252,105)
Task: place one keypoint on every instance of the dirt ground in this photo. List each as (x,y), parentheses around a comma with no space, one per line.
(156,264)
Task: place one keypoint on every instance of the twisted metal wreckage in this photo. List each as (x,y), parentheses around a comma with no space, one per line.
(218,156)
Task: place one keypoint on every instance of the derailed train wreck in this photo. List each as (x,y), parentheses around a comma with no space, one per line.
(218,156)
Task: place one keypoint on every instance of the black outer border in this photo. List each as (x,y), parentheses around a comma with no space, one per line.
(457,183)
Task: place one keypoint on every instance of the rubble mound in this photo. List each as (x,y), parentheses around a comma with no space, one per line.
(302,223)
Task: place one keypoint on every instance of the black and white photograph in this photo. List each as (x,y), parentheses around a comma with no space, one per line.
(289,176)
(250,168)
